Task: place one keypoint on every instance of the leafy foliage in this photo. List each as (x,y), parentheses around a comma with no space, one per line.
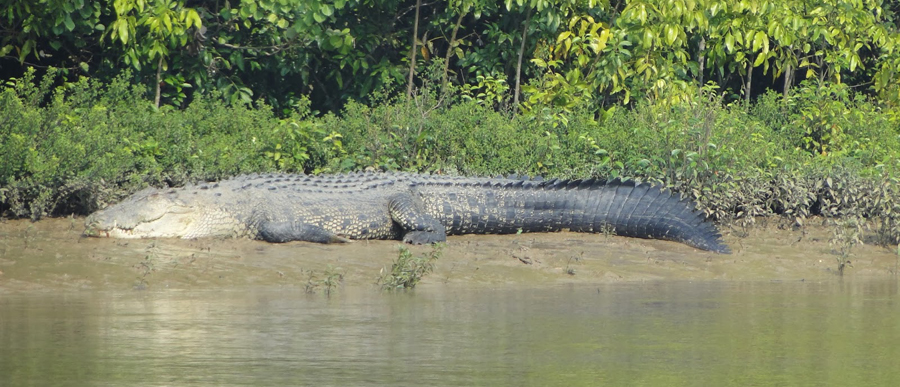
(558,54)
(73,147)
(407,270)
(92,142)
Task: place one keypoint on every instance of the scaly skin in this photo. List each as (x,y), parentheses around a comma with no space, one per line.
(417,208)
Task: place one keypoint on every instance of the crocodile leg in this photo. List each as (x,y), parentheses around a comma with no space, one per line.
(280,232)
(419,228)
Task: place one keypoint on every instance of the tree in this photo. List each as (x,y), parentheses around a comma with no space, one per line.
(41,33)
(652,46)
(149,30)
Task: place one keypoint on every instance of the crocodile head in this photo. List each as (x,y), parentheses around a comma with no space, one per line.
(151,213)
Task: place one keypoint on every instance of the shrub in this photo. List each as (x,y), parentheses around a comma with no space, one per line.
(73,147)
(407,271)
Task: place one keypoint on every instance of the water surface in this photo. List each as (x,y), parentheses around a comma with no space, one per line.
(792,333)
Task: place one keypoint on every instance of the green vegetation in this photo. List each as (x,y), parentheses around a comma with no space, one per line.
(540,53)
(73,147)
(750,107)
(846,234)
(332,278)
(407,271)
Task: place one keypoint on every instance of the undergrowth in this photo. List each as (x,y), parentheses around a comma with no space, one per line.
(407,270)
(72,148)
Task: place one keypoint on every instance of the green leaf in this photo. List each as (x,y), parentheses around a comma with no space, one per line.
(761,40)
(193,19)
(335,41)
(671,35)
(122,30)
(70,25)
(167,20)
(759,59)
(648,39)
(319,18)
(756,43)
(26,48)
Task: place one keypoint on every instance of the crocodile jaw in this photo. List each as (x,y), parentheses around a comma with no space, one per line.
(169,225)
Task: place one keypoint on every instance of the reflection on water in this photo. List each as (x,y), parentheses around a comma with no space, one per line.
(660,334)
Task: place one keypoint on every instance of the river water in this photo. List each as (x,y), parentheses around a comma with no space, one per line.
(657,333)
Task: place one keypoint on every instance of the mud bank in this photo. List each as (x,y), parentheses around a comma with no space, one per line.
(52,255)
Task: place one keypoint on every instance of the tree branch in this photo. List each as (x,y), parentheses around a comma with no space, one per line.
(445,77)
(35,65)
(406,11)
(521,54)
(275,49)
(412,51)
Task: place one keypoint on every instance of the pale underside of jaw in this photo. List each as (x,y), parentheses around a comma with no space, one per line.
(124,233)
(137,233)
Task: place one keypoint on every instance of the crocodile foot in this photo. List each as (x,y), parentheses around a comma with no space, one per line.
(424,237)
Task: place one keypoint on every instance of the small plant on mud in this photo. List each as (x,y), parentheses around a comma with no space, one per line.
(846,234)
(886,210)
(407,271)
(146,266)
(607,230)
(331,279)
(28,235)
(569,269)
(141,283)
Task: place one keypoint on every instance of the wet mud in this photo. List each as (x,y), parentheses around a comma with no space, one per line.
(52,255)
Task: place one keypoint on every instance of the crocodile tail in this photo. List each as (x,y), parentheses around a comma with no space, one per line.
(628,208)
(645,211)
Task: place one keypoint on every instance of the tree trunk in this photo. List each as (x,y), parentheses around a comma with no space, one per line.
(749,82)
(701,59)
(788,80)
(821,62)
(788,76)
(158,80)
(521,54)
(412,51)
(450,49)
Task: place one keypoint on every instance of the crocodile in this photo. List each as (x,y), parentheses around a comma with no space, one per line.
(417,208)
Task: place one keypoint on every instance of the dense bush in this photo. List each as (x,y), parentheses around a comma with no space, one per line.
(555,52)
(73,147)
(70,148)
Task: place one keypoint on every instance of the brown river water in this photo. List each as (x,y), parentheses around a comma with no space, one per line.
(555,309)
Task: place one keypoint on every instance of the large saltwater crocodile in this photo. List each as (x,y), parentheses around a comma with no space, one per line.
(417,208)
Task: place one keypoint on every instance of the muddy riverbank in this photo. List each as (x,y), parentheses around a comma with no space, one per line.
(52,255)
